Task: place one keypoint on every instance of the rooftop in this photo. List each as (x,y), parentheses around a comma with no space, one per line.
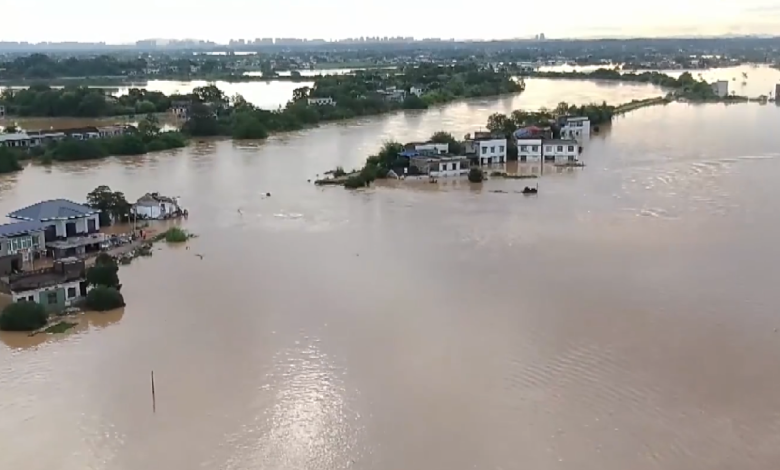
(577,118)
(14,136)
(560,142)
(20,228)
(55,209)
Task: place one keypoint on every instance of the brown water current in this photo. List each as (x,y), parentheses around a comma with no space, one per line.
(624,318)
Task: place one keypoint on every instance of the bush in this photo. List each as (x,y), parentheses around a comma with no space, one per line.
(103,275)
(476,175)
(176,235)
(247,127)
(338,172)
(103,298)
(9,161)
(23,316)
(356,181)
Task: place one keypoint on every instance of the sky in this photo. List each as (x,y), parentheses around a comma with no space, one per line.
(220,21)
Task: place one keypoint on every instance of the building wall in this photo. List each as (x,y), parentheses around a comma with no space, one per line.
(12,245)
(439,149)
(577,130)
(64,295)
(81,225)
(450,168)
(721,88)
(491,151)
(529,150)
(561,153)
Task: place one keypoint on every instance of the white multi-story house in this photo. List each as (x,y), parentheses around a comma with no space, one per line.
(325,101)
(416,91)
(529,150)
(577,128)
(490,151)
(560,150)
(432,147)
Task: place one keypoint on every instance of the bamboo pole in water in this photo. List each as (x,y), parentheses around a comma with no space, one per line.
(154,400)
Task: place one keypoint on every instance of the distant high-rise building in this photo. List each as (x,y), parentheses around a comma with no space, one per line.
(541,36)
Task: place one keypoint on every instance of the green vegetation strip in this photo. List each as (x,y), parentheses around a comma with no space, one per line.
(60,327)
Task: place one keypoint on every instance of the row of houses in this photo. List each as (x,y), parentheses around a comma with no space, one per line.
(388,94)
(28,139)
(534,145)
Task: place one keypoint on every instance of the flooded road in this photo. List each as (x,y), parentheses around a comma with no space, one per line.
(623,318)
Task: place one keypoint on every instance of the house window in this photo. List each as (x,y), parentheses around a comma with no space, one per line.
(501,148)
(484,149)
(535,148)
(51,298)
(548,149)
(30,298)
(560,148)
(71,292)
(523,148)
(571,148)
(493,149)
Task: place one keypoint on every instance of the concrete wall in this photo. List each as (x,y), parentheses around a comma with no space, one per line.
(64,295)
(491,151)
(81,225)
(439,149)
(529,150)
(561,153)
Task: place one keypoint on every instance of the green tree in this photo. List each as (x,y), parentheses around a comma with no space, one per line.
(104,275)
(102,299)
(442,137)
(500,124)
(9,161)
(301,93)
(149,127)
(476,175)
(23,316)
(112,205)
(248,127)
(145,107)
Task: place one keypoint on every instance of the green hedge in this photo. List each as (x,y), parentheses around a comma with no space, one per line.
(23,316)
(103,298)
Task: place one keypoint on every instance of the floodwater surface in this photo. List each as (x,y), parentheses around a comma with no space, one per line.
(623,318)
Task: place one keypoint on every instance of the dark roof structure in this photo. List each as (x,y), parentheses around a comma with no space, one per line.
(55,209)
(20,228)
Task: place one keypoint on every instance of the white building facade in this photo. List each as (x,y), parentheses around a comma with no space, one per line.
(577,128)
(438,149)
(721,88)
(67,293)
(529,150)
(491,151)
(450,167)
(561,151)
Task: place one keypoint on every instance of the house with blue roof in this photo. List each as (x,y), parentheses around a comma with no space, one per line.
(69,228)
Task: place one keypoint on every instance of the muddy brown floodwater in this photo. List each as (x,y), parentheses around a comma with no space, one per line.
(624,318)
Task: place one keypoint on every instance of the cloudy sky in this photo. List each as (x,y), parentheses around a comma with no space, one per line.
(95,20)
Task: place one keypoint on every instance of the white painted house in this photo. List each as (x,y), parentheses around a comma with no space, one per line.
(491,151)
(577,128)
(155,206)
(432,147)
(326,101)
(529,150)
(416,91)
(561,150)
(721,88)
(449,167)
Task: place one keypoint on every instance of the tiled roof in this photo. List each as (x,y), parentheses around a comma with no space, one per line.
(53,210)
(20,228)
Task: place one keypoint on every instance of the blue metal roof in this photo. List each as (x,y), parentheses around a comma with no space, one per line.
(20,228)
(55,209)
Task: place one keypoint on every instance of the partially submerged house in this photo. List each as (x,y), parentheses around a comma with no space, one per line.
(69,228)
(55,288)
(156,206)
(20,243)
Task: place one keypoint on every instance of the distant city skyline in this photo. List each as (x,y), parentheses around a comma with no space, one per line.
(310,19)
